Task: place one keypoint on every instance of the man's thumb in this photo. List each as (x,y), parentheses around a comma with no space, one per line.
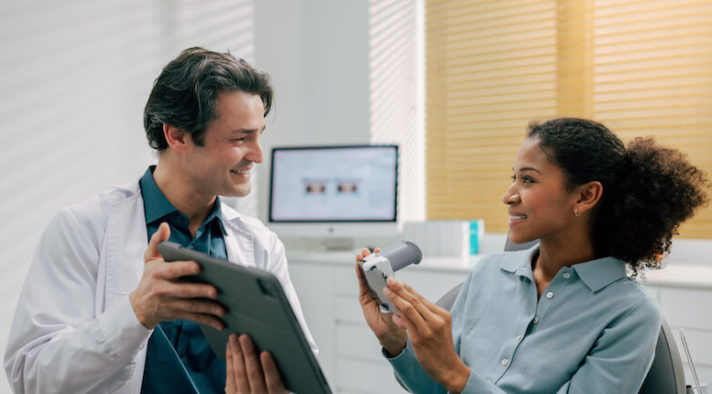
(162,234)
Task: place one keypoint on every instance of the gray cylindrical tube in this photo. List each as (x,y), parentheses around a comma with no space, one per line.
(402,254)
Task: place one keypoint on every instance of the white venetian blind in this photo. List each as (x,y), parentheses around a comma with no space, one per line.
(74,77)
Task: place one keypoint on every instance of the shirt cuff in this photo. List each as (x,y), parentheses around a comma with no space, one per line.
(475,384)
(122,331)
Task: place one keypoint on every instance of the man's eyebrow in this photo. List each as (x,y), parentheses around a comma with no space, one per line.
(524,169)
(250,131)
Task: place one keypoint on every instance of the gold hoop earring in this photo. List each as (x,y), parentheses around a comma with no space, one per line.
(577,211)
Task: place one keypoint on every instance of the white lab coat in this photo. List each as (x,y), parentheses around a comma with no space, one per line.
(74,329)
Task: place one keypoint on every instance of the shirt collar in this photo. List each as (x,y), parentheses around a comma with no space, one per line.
(158,206)
(599,273)
(518,260)
(596,274)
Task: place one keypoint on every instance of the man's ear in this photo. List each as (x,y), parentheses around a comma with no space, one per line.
(589,194)
(175,138)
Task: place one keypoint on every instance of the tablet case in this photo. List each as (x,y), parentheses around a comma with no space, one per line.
(257,306)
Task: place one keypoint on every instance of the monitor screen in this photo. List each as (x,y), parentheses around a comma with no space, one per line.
(334,184)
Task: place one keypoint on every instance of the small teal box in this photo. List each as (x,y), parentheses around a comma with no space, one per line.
(477,233)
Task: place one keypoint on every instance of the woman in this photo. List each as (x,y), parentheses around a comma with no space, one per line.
(566,316)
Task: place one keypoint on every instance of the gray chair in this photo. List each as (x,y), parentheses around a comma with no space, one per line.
(666,375)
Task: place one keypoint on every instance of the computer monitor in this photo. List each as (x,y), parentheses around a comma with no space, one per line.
(334,191)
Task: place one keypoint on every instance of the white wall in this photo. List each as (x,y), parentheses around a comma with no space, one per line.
(345,72)
(74,77)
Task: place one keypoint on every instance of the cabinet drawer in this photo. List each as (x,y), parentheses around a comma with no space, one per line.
(367,377)
(348,310)
(357,342)
(687,307)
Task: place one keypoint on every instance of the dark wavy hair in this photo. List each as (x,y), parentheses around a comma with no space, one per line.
(648,190)
(185,94)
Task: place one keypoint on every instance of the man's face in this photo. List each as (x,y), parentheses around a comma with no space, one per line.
(231,147)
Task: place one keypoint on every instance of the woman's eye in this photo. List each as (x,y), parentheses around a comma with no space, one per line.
(526,179)
(514,178)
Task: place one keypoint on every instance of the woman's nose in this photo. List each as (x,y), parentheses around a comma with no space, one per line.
(511,196)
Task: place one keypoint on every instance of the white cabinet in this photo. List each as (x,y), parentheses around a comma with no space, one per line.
(348,352)
(351,356)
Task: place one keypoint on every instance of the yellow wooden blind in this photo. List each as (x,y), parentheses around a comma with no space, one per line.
(641,67)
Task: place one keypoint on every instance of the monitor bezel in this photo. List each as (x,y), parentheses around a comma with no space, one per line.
(334,147)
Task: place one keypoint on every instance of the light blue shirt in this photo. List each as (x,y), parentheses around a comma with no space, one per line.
(593,330)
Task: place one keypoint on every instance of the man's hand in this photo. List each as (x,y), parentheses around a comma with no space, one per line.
(161,296)
(248,372)
(430,330)
(392,337)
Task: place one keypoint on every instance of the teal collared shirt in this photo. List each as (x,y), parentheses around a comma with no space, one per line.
(205,370)
(593,330)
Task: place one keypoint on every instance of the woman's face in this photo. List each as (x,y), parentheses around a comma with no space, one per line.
(540,206)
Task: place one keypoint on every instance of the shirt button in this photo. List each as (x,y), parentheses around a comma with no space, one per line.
(567,275)
(519,338)
(536,319)
(549,295)
(505,361)
(183,352)
(142,346)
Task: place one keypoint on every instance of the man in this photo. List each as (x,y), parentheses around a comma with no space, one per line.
(100,310)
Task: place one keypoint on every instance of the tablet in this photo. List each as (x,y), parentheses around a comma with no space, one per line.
(257,306)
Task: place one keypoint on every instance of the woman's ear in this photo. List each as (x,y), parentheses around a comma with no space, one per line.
(589,194)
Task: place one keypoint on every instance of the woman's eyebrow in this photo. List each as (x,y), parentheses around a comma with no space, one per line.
(524,169)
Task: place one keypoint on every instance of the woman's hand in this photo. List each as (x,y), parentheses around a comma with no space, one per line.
(392,337)
(430,330)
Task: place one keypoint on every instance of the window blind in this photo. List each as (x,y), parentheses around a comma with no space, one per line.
(641,67)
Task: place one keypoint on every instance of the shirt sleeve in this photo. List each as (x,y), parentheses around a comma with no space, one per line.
(57,343)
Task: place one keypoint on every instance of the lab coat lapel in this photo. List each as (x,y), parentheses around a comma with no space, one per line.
(126,242)
(239,243)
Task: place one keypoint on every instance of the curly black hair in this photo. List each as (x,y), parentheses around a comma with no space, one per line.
(648,190)
(185,94)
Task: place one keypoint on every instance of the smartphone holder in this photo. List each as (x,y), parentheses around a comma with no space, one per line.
(378,267)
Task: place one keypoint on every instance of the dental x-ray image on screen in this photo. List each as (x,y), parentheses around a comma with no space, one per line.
(334,184)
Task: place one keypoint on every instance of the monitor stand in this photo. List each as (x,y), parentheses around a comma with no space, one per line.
(333,244)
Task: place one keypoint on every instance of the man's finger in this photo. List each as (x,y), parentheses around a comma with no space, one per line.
(176,269)
(194,305)
(272,378)
(230,382)
(252,364)
(200,318)
(162,234)
(238,361)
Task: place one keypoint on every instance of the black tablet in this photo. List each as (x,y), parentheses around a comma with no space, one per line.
(256,306)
